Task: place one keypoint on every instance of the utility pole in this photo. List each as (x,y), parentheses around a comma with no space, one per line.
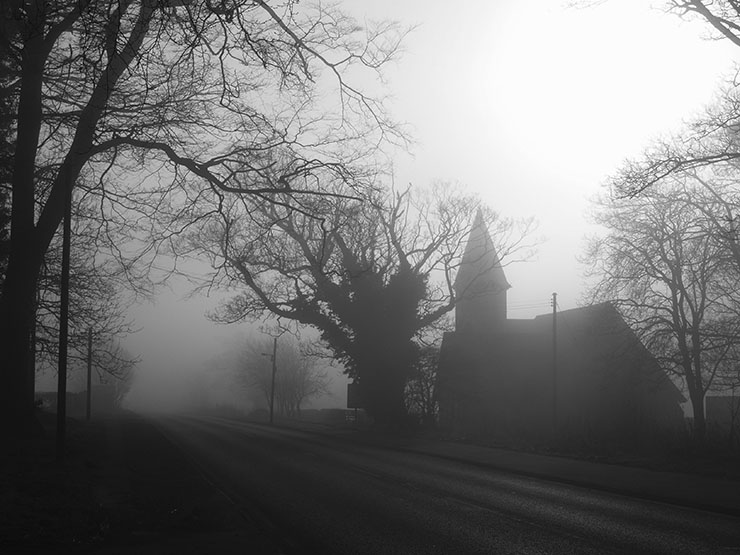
(89,372)
(274,369)
(64,327)
(555,361)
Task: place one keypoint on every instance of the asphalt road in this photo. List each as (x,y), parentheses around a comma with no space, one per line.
(314,493)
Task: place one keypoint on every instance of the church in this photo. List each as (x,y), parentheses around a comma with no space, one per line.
(579,374)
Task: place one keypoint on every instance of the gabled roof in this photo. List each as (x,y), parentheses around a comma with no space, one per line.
(480,261)
(600,330)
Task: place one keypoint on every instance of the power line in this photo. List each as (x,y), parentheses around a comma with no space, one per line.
(532,303)
(528,305)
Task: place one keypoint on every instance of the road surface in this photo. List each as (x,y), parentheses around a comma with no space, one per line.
(316,493)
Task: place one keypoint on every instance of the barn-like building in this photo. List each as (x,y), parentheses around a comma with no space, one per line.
(585,376)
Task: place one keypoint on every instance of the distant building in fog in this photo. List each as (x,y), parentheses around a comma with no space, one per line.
(501,378)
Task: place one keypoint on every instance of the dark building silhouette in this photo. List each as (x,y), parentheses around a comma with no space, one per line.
(507,378)
(480,284)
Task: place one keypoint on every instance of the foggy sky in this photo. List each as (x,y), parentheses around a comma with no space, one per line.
(531,104)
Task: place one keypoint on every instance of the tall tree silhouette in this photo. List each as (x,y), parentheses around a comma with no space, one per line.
(151,105)
(370,274)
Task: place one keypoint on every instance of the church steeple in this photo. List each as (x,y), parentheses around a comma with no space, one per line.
(481,284)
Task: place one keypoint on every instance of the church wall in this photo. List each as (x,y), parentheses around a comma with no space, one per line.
(501,383)
(496,376)
(492,380)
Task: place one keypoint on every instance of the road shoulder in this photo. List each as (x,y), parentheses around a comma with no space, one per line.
(697,491)
(123,488)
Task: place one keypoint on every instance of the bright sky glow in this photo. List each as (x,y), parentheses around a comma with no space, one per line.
(534,104)
(528,102)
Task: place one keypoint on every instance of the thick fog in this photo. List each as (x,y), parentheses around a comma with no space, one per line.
(516,81)
(190,363)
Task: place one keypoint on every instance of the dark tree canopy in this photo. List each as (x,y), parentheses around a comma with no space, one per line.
(370,274)
(149,106)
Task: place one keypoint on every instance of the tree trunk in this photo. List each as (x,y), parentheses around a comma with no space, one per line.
(700,422)
(697,392)
(18,298)
(17,316)
(28,242)
(383,397)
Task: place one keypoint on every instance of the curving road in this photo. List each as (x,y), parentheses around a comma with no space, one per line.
(314,493)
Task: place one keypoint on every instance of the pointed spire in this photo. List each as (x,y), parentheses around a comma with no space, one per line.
(480,284)
(480,261)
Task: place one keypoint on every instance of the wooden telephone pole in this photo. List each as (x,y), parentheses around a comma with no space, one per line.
(274,369)
(89,373)
(555,361)
(273,357)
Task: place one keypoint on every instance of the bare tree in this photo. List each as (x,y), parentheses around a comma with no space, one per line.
(421,397)
(100,294)
(151,105)
(299,376)
(722,15)
(664,264)
(710,140)
(369,274)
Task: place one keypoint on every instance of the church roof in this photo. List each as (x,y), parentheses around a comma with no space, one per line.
(480,262)
(591,339)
